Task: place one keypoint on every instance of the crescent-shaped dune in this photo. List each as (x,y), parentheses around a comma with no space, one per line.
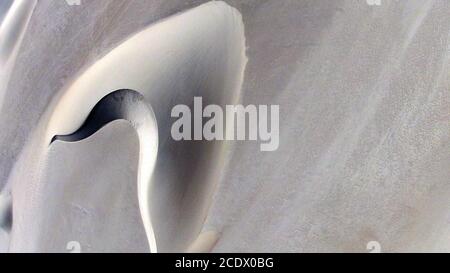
(128,105)
(167,64)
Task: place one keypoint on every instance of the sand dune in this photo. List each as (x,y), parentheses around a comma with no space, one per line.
(200,51)
(364,132)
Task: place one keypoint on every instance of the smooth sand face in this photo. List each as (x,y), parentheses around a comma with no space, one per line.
(13,25)
(4,7)
(14,18)
(96,207)
(198,52)
(130,106)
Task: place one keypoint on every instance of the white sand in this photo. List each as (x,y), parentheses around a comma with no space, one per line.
(12,30)
(201,50)
(364,131)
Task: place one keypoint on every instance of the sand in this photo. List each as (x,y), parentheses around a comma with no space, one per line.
(201,50)
(364,131)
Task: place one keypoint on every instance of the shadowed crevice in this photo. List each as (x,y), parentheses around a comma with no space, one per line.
(6,215)
(112,107)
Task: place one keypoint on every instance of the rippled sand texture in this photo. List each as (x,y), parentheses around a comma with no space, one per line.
(364,127)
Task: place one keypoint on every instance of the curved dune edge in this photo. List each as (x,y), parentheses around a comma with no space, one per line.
(128,105)
(12,31)
(204,243)
(198,52)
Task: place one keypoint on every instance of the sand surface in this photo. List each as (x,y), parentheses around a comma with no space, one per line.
(364,129)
